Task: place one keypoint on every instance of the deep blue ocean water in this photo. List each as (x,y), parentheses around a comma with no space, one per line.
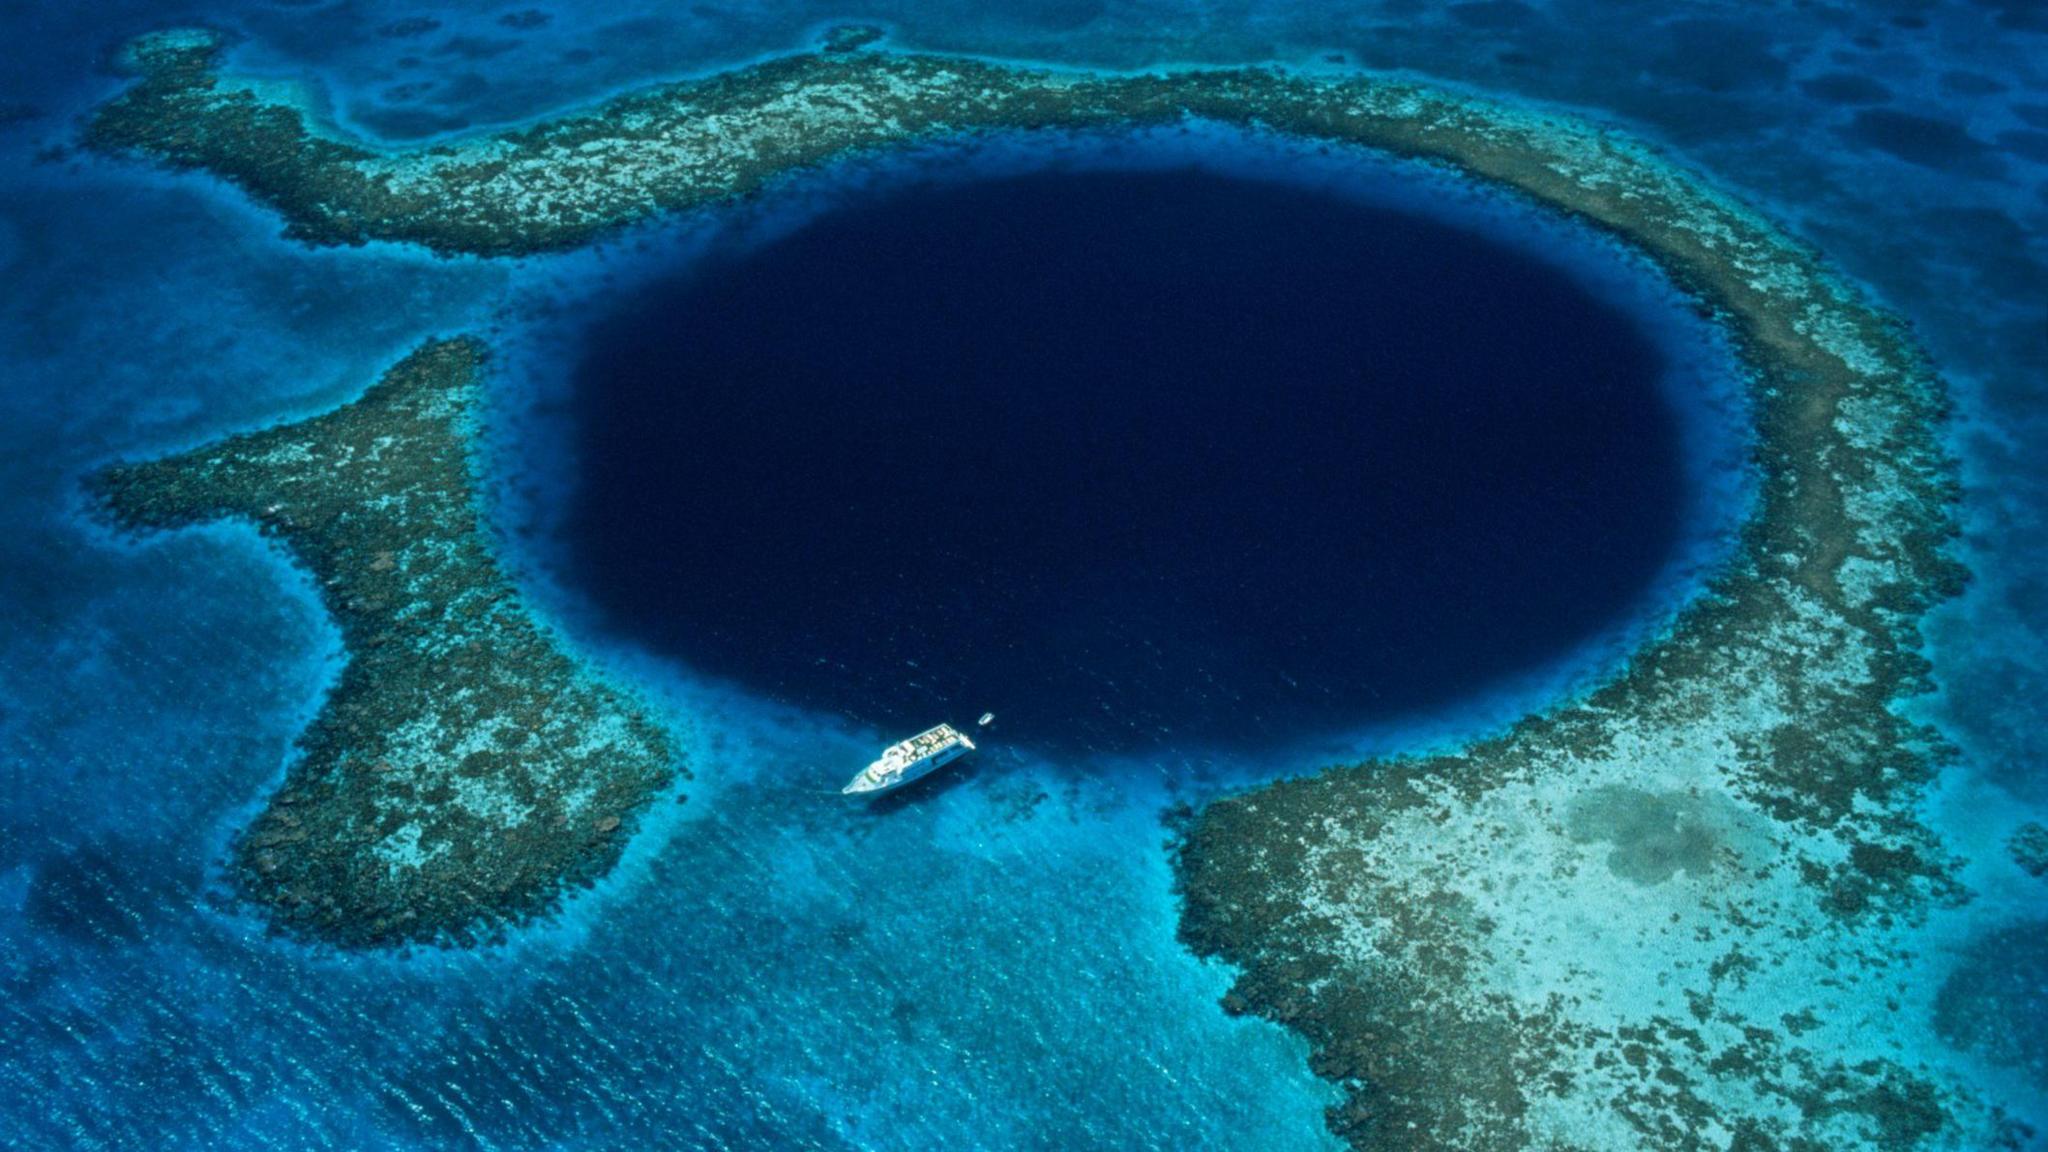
(722,990)
(1148,459)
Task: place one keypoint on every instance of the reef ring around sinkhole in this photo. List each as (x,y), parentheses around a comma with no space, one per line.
(1478,946)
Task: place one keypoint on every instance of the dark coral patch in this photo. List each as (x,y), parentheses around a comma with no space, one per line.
(1845,88)
(2029,847)
(1997,997)
(409,28)
(1928,141)
(1653,835)
(464,771)
(1494,14)
(1718,56)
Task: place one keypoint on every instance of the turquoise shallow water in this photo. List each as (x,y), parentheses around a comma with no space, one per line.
(1008,978)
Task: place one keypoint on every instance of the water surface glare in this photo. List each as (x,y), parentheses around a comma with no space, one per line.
(1130,457)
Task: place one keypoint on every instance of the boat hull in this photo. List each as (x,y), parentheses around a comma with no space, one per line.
(866,785)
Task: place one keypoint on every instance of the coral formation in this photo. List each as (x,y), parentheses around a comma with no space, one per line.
(464,769)
(1675,912)
(2030,848)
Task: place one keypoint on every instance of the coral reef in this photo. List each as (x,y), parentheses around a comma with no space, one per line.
(1664,915)
(1999,986)
(1675,912)
(463,769)
(2029,847)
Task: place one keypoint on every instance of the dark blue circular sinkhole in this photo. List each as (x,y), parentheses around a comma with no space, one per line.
(1135,459)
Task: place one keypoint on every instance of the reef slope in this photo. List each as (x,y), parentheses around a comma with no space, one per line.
(463,769)
(1679,912)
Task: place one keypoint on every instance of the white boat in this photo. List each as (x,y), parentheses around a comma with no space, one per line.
(911,759)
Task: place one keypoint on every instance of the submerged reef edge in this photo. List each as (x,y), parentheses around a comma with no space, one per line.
(1676,912)
(464,771)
